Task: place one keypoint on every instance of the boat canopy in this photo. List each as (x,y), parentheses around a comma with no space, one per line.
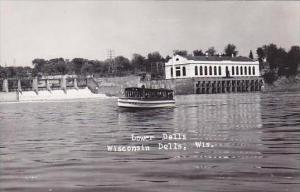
(151,94)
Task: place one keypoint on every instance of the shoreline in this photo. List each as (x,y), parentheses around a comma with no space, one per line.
(290,84)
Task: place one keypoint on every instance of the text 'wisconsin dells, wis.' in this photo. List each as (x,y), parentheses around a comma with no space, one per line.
(166,142)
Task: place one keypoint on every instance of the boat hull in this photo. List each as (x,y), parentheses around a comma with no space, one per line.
(134,103)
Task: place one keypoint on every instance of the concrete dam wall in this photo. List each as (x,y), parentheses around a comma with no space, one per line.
(45,95)
(114,86)
(48,88)
(58,95)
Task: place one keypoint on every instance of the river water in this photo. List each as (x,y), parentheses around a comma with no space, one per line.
(230,142)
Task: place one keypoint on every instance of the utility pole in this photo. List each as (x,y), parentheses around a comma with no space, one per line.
(110,57)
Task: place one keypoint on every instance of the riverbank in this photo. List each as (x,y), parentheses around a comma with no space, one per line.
(284,84)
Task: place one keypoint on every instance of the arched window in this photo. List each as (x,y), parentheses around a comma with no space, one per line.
(171,71)
(249,69)
(196,70)
(205,70)
(253,70)
(215,70)
(227,71)
(220,71)
(232,70)
(210,70)
(201,70)
(241,70)
(183,71)
(237,70)
(245,70)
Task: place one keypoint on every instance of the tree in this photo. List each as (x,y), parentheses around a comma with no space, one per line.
(22,72)
(38,66)
(155,63)
(138,62)
(87,68)
(211,51)
(122,64)
(271,54)
(198,53)
(251,54)
(100,67)
(181,52)
(260,54)
(270,77)
(77,64)
(230,50)
(11,72)
(280,61)
(293,60)
(154,57)
(167,58)
(61,67)
(3,72)
(56,66)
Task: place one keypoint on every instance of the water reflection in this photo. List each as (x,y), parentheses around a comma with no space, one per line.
(224,112)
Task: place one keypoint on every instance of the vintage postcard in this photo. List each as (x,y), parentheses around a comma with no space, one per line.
(149,96)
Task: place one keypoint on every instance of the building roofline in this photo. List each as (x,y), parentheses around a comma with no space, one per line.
(216,58)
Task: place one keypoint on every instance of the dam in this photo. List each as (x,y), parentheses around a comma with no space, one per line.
(48,88)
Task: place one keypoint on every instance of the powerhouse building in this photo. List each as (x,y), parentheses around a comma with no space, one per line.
(210,66)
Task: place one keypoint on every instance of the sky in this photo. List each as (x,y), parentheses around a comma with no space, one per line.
(88,29)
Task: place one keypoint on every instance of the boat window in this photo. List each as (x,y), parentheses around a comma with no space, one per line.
(210,70)
(183,71)
(171,71)
(148,93)
(232,70)
(215,70)
(220,71)
(205,70)
(253,70)
(237,70)
(245,70)
(241,70)
(249,69)
(196,70)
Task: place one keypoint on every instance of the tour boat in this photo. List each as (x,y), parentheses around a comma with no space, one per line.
(136,97)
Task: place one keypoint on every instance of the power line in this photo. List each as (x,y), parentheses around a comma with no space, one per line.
(110,57)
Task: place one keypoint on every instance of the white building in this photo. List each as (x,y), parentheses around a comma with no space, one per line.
(210,66)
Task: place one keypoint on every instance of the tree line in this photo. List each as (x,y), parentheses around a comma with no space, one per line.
(153,64)
(118,66)
(274,62)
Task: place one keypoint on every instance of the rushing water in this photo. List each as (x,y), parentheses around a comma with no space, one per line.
(249,142)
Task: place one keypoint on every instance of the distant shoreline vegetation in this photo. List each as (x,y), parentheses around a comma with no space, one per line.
(275,62)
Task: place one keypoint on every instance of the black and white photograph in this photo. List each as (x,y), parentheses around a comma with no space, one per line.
(149,96)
